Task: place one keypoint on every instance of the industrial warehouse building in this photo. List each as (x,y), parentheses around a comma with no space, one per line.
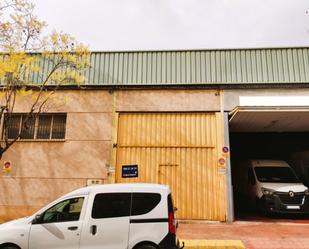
(173,117)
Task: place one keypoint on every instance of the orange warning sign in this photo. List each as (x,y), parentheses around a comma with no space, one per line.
(7,166)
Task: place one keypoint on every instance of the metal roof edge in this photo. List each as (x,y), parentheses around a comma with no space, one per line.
(186,50)
(199,49)
(182,86)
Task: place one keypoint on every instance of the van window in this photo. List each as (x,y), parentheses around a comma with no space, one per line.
(276,174)
(143,203)
(111,205)
(64,211)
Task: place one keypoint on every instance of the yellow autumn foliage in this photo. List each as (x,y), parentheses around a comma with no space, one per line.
(32,66)
(29,59)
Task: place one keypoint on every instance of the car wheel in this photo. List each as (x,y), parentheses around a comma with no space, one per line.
(146,247)
(9,247)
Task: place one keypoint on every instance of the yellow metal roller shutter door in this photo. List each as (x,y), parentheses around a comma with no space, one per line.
(180,150)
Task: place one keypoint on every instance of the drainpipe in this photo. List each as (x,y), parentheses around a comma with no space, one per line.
(229,188)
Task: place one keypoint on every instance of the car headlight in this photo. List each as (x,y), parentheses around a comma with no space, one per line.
(267,191)
(307,192)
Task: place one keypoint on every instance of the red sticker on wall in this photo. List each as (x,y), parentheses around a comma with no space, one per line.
(221,161)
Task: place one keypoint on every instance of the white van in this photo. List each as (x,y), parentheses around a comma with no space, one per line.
(273,187)
(113,216)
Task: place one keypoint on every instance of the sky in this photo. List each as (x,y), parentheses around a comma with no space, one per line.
(117,25)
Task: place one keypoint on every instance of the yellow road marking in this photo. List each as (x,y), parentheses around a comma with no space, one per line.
(212,244)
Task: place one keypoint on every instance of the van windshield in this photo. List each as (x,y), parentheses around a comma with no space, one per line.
(275,174)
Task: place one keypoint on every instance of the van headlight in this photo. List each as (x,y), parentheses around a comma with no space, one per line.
(267,191)
(307,192)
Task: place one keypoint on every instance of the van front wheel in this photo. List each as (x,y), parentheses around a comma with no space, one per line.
(146,247)
(261,207)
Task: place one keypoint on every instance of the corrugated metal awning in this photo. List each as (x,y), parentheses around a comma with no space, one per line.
(269,119)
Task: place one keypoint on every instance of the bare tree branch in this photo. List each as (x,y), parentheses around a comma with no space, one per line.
(24,54)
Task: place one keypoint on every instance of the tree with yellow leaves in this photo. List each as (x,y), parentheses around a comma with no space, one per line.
(24,51)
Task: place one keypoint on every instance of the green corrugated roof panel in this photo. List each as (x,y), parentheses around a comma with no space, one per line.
(204,67)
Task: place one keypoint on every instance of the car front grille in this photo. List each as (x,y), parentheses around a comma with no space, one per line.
(285,198)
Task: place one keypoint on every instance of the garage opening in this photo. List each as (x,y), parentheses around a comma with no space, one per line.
(270,163)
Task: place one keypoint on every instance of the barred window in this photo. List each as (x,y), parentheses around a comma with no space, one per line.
(58,127)
(27,127)
(43,126)
(13,126)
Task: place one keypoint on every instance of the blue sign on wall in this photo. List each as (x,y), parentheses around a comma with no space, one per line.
(129,171)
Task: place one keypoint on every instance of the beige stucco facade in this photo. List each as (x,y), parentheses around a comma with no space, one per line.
(44,170)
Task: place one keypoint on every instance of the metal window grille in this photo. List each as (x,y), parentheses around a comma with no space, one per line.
(12,125)
(44,126)
(27,127)
(59,124)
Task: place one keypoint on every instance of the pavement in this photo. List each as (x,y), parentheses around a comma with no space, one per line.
(252,235)
(251,232)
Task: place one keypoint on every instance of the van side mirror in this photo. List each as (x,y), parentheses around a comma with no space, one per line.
(37,219)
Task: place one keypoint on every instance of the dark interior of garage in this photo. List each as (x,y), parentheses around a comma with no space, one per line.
(292,147)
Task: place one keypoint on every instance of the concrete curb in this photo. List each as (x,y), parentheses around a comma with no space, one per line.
(212,244)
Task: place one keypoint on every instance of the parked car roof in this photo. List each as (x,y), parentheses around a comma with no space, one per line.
(127,187)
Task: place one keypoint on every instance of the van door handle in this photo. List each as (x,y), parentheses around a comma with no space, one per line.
(72,228)
(93,229)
